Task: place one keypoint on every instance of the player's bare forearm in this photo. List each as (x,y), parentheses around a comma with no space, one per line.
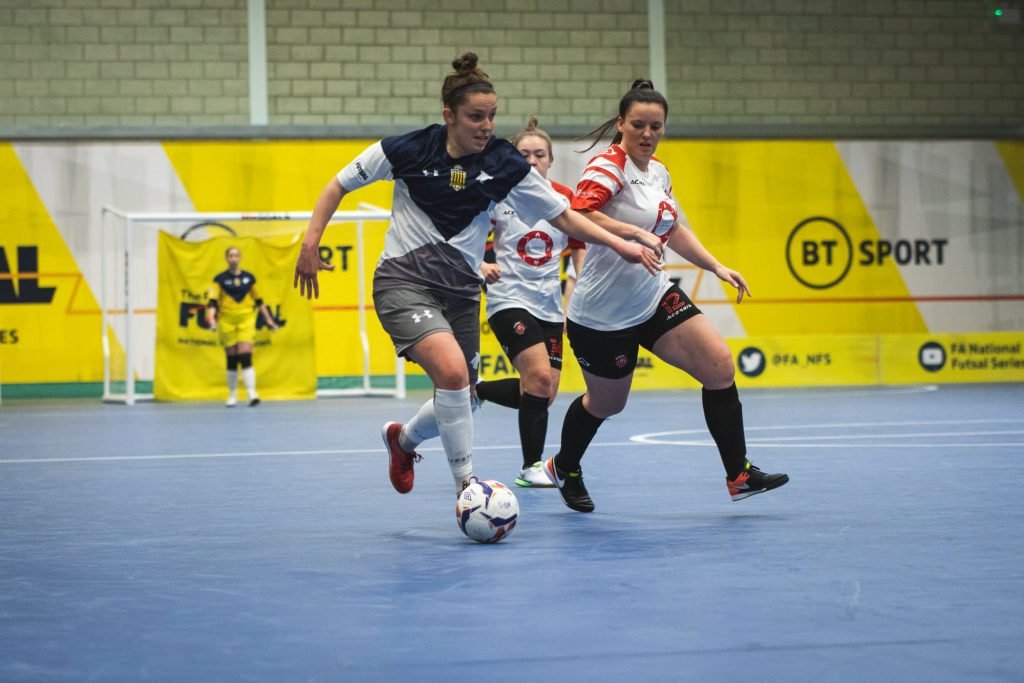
(626,231)
(578,225)
(310,263)
(326,204)
(685,243)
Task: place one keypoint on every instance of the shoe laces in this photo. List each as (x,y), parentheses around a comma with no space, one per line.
(413,457)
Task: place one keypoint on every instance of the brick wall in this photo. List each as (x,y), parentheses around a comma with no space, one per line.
(137,63)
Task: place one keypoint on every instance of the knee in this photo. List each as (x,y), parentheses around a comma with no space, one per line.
(451,377)
(605,406)
(537,384)
(720,372)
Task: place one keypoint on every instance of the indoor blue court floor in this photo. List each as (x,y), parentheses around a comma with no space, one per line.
(192,542)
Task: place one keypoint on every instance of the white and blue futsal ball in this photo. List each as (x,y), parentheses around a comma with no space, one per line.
(487,511)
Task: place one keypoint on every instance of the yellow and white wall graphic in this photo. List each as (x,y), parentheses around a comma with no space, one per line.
(869,261)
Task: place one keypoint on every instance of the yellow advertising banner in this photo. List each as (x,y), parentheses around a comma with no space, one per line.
(948,358)
(49,318)
(760,362)
(190,363)
(806,361)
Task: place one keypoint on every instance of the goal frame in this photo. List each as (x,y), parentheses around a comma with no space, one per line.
(113,218)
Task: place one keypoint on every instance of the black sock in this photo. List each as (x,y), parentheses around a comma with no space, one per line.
(724,415)
(504,392)
(533,427)
(578,431)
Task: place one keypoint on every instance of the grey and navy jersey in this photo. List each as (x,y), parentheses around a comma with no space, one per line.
(439,212)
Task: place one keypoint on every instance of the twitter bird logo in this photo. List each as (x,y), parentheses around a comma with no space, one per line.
(751,361)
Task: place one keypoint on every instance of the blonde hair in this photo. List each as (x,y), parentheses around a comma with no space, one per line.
(531,129)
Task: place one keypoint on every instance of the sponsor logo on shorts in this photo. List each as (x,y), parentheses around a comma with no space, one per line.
(672,304)
(417,317)
(519,328)
(621,360)
(584,363)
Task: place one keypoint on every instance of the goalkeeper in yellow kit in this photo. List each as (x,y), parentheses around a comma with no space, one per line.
(230,311)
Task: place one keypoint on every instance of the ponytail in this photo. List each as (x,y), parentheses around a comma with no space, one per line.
(642,91)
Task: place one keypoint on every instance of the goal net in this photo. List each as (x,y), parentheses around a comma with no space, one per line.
(354,357)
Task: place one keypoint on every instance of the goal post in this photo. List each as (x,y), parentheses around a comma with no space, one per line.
(128,294)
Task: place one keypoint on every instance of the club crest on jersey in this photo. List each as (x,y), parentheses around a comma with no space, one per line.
(457,180)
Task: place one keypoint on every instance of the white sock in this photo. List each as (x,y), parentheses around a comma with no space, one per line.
(421,427)
(232,382)
(249,377)
(454,416)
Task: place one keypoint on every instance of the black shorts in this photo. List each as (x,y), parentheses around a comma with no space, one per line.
(613,354)
(517,329)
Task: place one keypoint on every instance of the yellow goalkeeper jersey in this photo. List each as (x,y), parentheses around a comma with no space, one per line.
(234,294)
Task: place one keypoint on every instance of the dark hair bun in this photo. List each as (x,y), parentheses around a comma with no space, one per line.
(642,84)
(466,63)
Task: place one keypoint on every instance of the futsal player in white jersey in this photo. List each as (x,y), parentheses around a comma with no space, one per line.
(617,308)
(524,310)
(426,287)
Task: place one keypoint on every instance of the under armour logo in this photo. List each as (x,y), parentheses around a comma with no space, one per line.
(426,314)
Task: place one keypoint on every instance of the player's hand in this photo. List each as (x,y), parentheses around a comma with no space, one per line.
(491,272)
(733,278)
(637,253)
(651,241)
(306,269)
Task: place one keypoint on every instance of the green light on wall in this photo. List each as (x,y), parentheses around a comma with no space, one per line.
(998,13)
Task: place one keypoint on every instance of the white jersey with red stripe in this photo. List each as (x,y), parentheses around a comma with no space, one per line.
(613,294)
(529,257)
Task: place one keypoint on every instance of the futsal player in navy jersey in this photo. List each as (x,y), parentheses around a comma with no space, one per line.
(426,287)
(617,308)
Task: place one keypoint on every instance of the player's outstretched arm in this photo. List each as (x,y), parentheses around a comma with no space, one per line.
(627,231)
(577,225)
(309,263)
(685,243)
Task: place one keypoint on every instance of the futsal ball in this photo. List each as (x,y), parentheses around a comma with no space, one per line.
(487,511)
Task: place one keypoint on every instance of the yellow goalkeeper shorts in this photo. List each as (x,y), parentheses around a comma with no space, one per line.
(236,328)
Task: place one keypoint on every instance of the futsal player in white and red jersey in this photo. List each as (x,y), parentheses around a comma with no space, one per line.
(524,309)
(617,308)
(426,286)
